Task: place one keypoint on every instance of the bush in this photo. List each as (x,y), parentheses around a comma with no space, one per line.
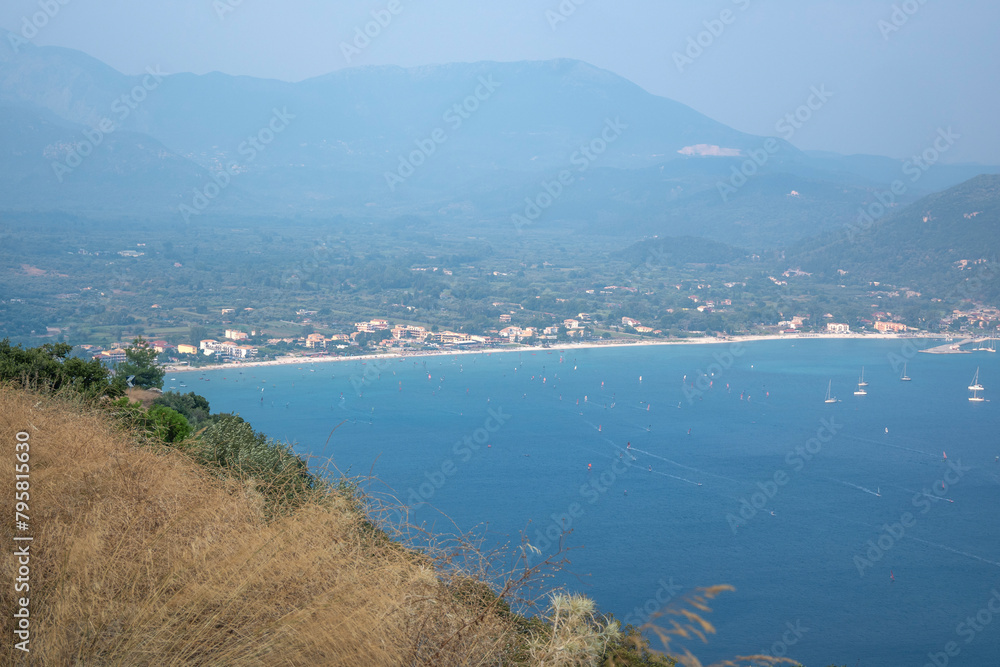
(167,424)
(195,408)
(271,467)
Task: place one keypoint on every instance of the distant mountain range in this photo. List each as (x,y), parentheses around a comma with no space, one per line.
(460,144)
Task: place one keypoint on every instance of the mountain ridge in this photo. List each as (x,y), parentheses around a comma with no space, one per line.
(486,135)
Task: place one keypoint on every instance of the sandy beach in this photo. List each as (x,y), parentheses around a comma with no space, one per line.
(709,340)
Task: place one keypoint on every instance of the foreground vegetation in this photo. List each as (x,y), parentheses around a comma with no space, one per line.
(167,535)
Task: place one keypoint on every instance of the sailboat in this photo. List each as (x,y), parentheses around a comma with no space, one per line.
(986,345)
(829,396)
(861,385)
(975,388)
(904,377)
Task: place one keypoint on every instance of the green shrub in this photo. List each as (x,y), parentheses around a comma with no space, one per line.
(195,408)
(167,424)
(232,445)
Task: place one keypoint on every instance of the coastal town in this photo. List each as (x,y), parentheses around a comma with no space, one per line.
(381,336)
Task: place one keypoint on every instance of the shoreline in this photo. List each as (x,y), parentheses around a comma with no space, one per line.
(714,340)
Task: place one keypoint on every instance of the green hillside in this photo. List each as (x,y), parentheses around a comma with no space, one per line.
(947,243)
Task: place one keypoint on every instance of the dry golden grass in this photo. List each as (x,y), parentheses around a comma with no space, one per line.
(142,558)
(685,620)
(144,396)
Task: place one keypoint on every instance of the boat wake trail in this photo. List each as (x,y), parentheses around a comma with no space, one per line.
(681,465)
(859,488)
(956,551)
(677,478)
(657,472)
(886,444)
(924,493)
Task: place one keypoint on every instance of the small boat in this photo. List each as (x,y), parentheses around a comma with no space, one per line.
(904,377)
(829,398)
(861,382)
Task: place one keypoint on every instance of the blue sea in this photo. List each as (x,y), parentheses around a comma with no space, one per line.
(864,532)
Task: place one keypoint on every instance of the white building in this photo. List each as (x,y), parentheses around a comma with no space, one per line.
(372,326)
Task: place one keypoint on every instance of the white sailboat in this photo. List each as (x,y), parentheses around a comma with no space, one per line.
(986,345)
(861,385)
(904,377)
(975,386)
(829,397)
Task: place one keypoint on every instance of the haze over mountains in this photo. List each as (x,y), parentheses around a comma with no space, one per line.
(461,144)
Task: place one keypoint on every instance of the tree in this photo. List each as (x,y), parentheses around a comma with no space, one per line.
(372,338)
(47,367)
(196,334)
(141,363)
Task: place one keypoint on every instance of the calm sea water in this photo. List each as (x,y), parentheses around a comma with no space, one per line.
(858,542)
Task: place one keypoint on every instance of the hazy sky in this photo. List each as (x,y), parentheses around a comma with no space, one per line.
(893,84)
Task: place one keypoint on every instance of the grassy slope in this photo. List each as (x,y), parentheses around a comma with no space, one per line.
(141,558)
